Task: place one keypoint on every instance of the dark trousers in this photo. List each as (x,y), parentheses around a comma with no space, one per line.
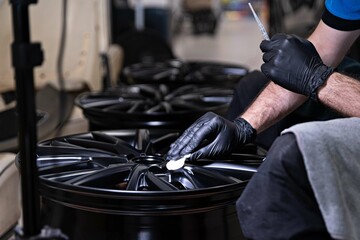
(278,202)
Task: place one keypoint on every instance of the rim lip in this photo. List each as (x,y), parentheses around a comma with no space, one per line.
(123,194)
(141,203)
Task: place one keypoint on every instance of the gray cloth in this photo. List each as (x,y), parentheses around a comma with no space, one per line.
(331,152)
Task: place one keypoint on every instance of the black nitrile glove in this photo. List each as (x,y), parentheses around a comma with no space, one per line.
(223,136)
(294,64)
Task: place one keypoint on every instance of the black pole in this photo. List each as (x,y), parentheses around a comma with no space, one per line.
(25,56)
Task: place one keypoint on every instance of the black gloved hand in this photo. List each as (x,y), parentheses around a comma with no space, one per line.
(223,136)
(294,64)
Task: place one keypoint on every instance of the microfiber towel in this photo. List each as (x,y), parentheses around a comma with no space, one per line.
(331,152)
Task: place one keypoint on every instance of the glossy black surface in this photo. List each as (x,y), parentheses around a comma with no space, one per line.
(114,185)
(178,72)
(152,106)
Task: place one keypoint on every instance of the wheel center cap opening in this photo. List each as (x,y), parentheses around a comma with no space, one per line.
(148,160)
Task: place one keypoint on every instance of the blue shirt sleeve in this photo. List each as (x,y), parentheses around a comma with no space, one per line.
(345,9)
(342,14)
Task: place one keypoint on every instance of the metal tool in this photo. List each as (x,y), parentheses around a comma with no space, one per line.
(260,25)
(177,163)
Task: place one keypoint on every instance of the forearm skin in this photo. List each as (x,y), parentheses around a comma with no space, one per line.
(341,93)
(273,104)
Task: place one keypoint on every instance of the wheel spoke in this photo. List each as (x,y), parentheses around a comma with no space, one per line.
(136,178)
(161,143)
(157,184)
(134,161)
(121,147)
(142,139)
(104,178)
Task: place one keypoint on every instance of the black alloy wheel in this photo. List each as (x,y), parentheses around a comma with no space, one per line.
(152,106)
(115,185)
(177,72)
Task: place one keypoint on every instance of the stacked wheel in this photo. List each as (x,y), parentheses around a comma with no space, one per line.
(115,185)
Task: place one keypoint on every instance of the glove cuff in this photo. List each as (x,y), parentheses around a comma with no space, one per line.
(248,132)
(321,75)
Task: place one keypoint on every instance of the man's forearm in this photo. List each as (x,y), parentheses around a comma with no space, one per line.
(273,103)
(341,93)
